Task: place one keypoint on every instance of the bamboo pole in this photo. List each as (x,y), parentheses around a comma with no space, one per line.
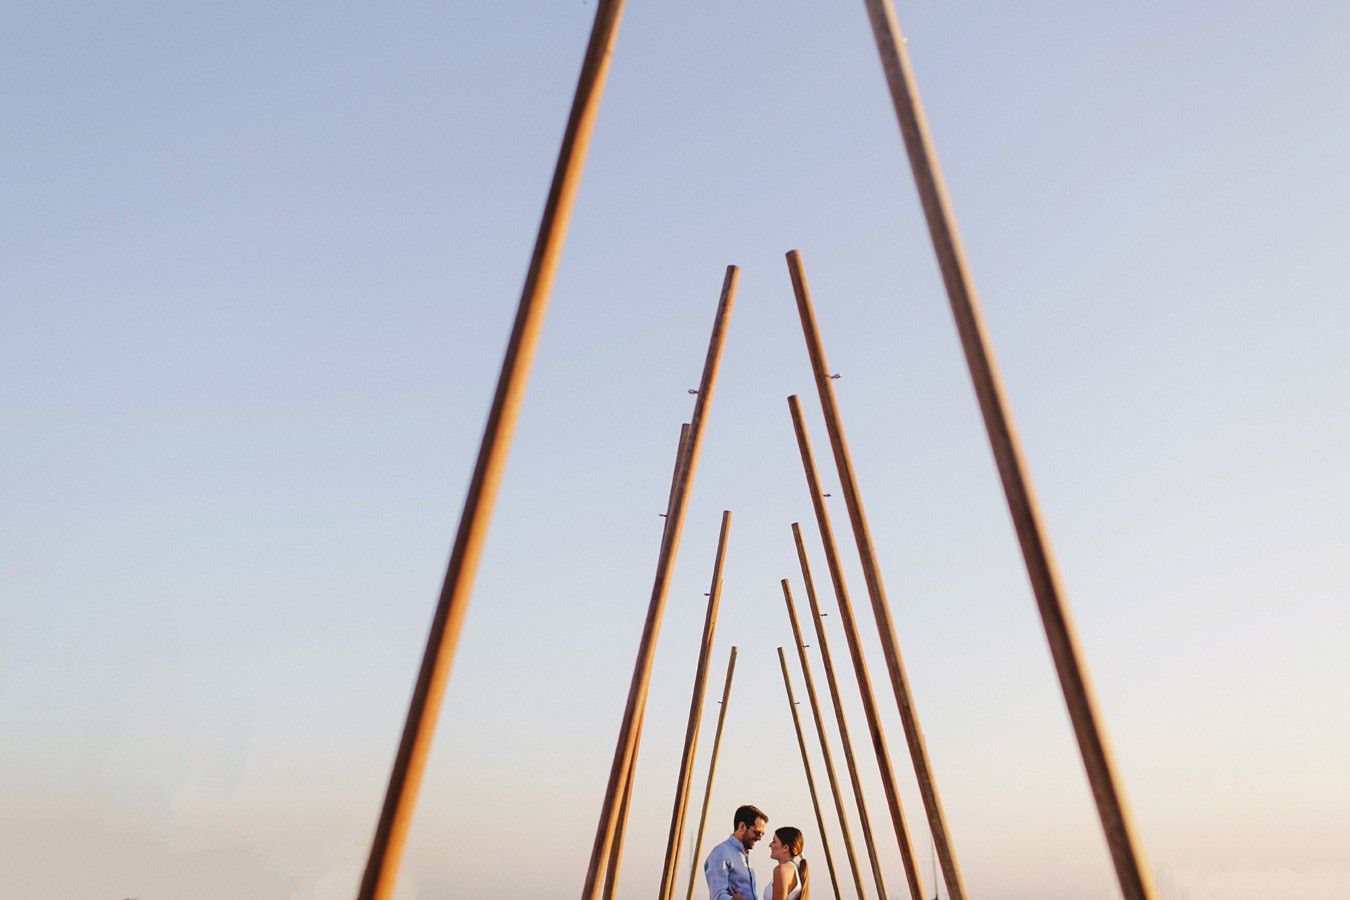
(626,749)
(806,766)
(405,779)
(1136,882)
(695,716)
(869,703)
(837,700)
(829,761)
(697,848)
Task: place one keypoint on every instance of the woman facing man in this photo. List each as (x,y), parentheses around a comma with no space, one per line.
(791,878)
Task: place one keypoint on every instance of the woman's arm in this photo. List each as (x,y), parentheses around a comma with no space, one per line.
(784,874)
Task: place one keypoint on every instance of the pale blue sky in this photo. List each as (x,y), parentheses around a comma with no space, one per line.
(258,264)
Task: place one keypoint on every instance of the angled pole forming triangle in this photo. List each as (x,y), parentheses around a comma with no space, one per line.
(1126,853)
(386,850)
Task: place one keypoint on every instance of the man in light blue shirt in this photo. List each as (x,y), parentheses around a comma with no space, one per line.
(727,867)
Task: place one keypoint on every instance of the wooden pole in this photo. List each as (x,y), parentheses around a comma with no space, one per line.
(829,761)
(806,766)
(695,716)
(837,700)
(697,847)
(621,820)
(675,478)
(909,716)
(405,779)
(637,693)
(1136,882)
(620,826)
(620,829)
(850,625)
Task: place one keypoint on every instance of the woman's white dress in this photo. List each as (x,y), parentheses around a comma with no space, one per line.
(792,894)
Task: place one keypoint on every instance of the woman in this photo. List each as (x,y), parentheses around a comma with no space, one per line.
(790,879)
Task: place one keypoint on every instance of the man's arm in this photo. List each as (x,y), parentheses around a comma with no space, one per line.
(717,870)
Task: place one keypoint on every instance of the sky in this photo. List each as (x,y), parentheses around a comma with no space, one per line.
(258,267)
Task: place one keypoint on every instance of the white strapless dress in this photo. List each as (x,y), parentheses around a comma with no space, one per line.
(792,894)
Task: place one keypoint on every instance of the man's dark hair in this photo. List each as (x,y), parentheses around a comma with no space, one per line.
(747,815)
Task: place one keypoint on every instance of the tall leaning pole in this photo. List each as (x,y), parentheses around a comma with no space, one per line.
(625,750)
(806,767)
(844,828)
(682,782)
(904,698)
(852,635)
(611,881)
(827,662)
(697,847)
(1136,882)
(405,780)
(626,797)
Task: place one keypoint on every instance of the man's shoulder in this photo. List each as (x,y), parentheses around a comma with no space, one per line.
(730,845)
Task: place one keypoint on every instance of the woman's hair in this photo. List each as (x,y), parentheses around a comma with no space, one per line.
(791,838)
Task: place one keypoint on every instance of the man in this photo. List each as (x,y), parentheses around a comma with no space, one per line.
(727,867)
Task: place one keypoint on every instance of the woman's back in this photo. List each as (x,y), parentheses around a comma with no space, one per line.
(794,882)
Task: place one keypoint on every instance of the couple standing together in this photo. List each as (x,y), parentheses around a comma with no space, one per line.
(728,871)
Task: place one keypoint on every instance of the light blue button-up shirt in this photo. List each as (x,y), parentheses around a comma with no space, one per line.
(727,869)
